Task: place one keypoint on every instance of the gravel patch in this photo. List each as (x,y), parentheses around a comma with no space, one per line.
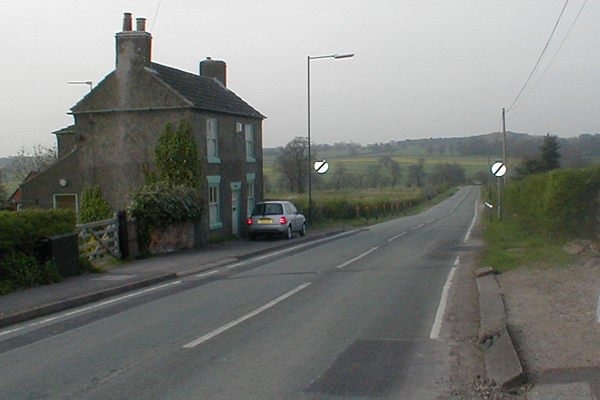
(552,313)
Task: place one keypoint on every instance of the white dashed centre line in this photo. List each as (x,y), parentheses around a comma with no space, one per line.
(356,258)
(396,237)
(243,318)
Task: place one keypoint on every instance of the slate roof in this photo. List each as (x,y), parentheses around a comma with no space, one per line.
(68,129)
(205,93)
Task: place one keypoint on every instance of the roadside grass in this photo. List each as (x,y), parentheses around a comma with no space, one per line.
(509,247)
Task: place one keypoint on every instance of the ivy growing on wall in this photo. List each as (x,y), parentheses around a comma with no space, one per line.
(172,191)
(176,157)
(94,206)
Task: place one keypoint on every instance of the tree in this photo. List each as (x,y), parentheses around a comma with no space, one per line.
(40,158)
(292,164)
(176,156)
(393,168)
(550,157)
(416,173)
(3,193)
(340,176)
(93,206)
(447,174)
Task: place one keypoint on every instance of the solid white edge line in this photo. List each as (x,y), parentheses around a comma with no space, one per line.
(243,318)
(300,246)
(11,331)
(468,235)
(234,265)
(439,316)
(207,274)
(104,303)
(357,258)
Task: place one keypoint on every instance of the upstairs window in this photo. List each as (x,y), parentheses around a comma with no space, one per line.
(212,141)
(250,144)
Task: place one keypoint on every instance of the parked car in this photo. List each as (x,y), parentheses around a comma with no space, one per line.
(276,217)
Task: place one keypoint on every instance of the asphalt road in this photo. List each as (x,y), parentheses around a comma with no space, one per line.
(349,318)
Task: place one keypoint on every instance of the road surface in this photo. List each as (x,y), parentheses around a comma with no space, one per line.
(356,316)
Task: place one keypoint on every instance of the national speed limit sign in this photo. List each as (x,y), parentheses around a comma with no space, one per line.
(498,169)
(321,166)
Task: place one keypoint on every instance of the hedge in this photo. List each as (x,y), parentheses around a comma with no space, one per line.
(558,204)
(21,231)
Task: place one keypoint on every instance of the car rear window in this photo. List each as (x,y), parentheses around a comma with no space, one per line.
(267,209)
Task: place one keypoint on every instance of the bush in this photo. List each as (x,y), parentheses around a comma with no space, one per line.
(93,206)
(20,232)
(18,270)
(158,205)
(558,204)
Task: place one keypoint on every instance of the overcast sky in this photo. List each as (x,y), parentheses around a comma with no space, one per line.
(423,68)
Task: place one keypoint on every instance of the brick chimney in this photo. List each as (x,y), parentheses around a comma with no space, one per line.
(216,69)
(134,48)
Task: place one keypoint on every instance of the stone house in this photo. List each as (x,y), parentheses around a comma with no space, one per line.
(117,125)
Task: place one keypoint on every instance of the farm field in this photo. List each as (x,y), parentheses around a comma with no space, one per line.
(360,163)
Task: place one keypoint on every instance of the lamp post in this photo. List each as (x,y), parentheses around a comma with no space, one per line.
(308,58)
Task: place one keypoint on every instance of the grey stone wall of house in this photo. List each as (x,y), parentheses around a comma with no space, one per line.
(66,142)
(39,190)
(117,127)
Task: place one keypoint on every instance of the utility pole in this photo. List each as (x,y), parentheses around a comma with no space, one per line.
(504,160)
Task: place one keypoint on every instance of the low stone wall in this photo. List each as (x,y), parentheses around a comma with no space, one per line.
(175,237)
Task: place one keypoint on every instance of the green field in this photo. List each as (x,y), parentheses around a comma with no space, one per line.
(360,163)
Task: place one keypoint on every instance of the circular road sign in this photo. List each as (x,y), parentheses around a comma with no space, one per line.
(321,166)
(498,169)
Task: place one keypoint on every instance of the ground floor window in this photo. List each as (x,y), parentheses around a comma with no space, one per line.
(214,202)
(66,201)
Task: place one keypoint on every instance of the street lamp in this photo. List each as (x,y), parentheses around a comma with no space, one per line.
(89,83)
(308,58)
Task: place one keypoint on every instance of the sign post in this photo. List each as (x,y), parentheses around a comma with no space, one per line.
(498,169)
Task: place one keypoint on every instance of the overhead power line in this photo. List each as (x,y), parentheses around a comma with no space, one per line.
(540,57)
(559,48)
(156,15)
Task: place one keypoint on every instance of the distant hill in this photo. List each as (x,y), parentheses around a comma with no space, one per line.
(574,151)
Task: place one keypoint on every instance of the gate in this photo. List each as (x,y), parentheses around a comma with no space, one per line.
(99,241)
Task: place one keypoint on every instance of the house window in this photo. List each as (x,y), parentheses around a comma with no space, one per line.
(250,199)
(66,201)
(214,202)
(212,141)
(249,134)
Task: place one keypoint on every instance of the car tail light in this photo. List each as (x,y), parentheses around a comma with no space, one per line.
(283,220)
(249,221)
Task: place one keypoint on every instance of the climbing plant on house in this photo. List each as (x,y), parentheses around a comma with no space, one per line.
(172,191)
(94,206)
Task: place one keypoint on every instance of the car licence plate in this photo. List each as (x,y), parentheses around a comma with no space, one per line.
(265,221)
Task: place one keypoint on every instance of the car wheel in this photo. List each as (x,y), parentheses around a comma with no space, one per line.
(289,232)
(303,230)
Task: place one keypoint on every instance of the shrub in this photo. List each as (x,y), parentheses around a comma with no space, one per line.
(558,204)
(93,206)
(18,270)
(21,231)
(159,205)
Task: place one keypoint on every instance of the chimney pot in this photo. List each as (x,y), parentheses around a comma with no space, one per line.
(216,69)
(126,22)
(140,24)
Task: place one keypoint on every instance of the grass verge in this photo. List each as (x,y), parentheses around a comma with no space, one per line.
(508,247)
